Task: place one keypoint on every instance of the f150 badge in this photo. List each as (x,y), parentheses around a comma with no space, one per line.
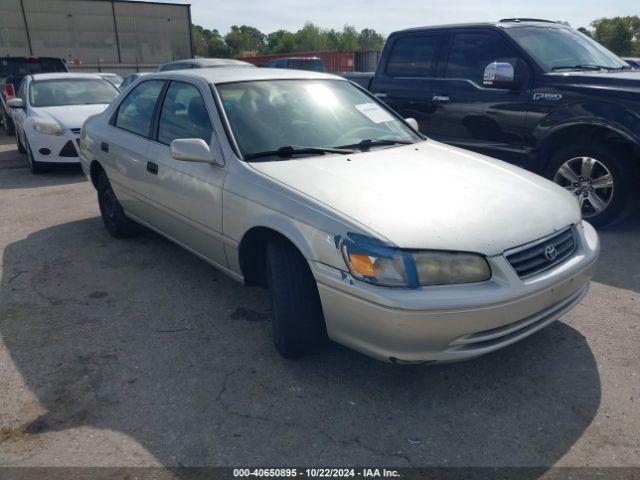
(553,97)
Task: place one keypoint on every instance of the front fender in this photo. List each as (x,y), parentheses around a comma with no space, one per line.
(612,116)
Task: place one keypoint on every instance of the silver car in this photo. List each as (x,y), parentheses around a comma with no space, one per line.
(365,232)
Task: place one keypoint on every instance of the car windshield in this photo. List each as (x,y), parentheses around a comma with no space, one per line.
(21,67)
(564,48)
(271,114)
(54,93)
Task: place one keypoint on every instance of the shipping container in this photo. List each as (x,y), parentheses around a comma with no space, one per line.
(89,32)
(334,61)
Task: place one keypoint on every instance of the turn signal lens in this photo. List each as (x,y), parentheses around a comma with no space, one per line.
(363,264)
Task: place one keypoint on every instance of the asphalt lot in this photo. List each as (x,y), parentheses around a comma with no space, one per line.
(134,352)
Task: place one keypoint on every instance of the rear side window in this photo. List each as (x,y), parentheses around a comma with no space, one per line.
(414,56)
(135,113)
(472,52)
(184,115)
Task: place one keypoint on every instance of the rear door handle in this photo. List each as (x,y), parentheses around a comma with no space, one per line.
(152,168)
(380,95)
(104,147)
(440,99)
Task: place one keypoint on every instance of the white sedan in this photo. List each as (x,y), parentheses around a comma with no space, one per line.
(49,111)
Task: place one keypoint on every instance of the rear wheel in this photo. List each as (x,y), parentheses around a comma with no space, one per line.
(113,216)
(298,325)
(598,176)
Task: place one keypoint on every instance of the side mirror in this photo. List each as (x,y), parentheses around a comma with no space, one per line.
(15,103)
(193,150)
(413,123)
(499,75)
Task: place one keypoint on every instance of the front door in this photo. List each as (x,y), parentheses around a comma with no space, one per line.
(187,196)
(471,115)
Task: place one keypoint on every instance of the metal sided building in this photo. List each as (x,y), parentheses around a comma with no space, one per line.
(91,32)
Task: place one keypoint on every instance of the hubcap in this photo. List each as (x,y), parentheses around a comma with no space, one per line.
(590,181)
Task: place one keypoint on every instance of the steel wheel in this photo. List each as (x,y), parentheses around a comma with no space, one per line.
(590,181)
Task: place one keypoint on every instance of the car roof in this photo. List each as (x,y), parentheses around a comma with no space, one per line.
(209,62)
(296,58)
(234,74)
(65,75)
(505,23)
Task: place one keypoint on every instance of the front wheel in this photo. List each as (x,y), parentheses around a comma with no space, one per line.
(35,166)
(19,144)
(297,321)
(597,176)
(113,216)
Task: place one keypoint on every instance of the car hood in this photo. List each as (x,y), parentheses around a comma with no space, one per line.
(70,116)
(625,79)
(433,196)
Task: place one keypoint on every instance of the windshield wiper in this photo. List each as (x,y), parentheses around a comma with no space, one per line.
(367,143)
(583,67)
(291,150)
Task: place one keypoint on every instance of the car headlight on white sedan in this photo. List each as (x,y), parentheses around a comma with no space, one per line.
(48,127)
(393,267)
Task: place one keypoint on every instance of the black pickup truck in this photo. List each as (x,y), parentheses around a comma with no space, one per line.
(12,71)
(531,92)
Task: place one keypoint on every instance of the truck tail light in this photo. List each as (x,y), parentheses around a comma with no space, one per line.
(9,91)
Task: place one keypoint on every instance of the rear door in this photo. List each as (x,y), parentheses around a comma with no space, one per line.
(122,147)
(406,79)
(187,196)
(471,115)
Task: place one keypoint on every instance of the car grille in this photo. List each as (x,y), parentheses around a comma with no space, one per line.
(76,130)
(542,254)
(69,150)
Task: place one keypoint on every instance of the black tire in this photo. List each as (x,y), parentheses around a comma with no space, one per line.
(620,167)
(7,123)
(35,166)
(113,216)
(21,148)
(297,321)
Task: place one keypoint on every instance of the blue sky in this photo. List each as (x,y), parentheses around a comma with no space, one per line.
(387,15)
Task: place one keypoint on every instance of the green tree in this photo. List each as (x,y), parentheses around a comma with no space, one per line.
(370,40)
(348,39)
(621,35)
(245,39)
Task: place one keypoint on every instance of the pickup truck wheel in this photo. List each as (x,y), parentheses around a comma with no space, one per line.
(35,166)
(297,321)
(113,216)
(7,123)
(598,176)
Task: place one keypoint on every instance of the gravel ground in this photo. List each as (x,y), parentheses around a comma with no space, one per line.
(136,353)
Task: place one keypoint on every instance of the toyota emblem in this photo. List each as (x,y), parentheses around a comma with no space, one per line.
(551,253)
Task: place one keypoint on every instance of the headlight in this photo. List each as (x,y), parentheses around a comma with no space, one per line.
(392,267)
(48,127)
(444,268)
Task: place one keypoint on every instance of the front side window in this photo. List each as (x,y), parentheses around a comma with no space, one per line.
(564,48)
(59,92)
(184,115)
(471,53)
(271,114)
(414,56)
(135,113)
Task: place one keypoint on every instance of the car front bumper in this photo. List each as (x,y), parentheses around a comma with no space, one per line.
(453,322)
(57,145)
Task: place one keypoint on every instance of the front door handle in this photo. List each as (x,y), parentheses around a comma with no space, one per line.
(152,168)
(380,95)
(104,147)
(440,99)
